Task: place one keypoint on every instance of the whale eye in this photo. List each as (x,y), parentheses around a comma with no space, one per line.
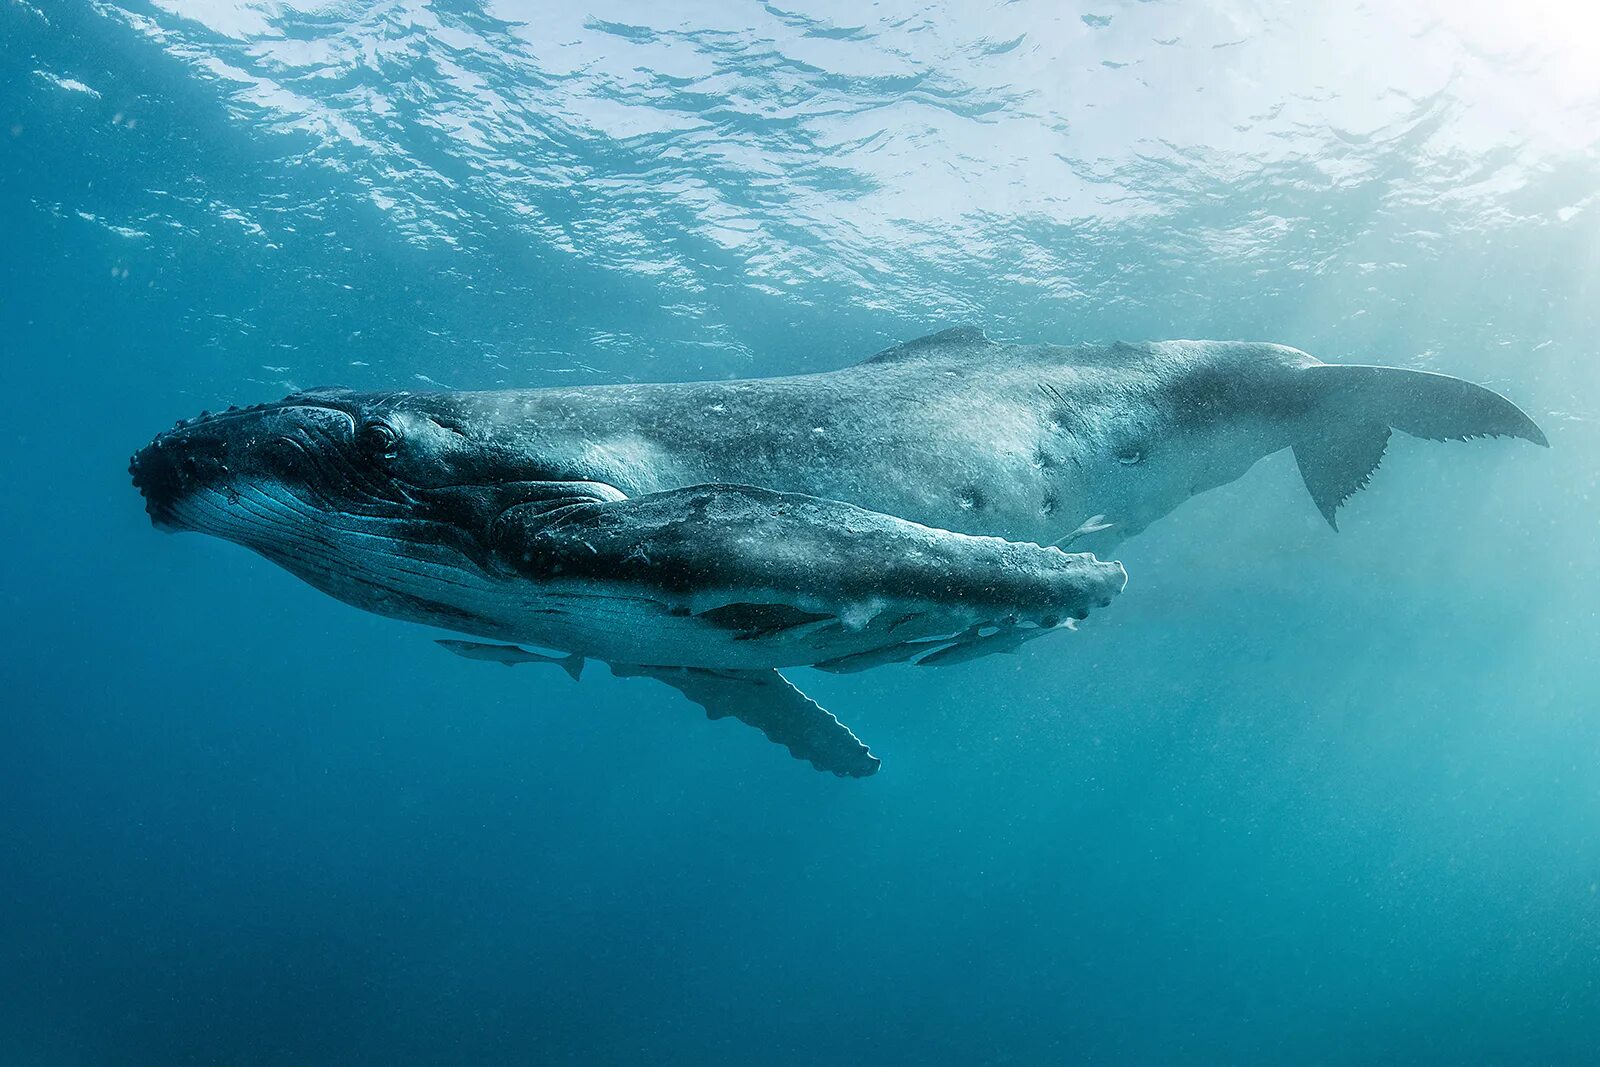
(1130,455)
(377,439)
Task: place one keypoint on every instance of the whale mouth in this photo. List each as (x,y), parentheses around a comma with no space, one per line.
(169,469)
(202,452)
(161,480)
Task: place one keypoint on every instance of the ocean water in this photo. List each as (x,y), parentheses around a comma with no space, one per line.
(1297,797)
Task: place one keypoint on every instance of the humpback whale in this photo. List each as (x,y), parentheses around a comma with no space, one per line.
(916,507)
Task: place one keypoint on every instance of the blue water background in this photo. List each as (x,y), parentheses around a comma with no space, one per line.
(1299,797)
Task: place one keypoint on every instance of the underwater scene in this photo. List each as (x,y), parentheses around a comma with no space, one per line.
(720,532)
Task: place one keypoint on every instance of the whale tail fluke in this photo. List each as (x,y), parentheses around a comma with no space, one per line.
(1362,404)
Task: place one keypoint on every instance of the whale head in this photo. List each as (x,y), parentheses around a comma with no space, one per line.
(1166,421)
(363,495)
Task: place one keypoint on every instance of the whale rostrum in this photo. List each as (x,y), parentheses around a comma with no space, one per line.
(917,508)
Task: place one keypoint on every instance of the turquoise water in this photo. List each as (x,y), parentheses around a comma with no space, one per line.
(1297,797)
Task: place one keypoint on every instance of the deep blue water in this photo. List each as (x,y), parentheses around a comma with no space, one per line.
(1298,797)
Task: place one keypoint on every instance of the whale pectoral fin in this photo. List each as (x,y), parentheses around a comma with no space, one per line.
(1336,464)
(511,655)
(763,699)
(876,657)
(1001,642)
(768,701)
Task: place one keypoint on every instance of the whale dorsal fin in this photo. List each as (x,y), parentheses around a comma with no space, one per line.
(954,337)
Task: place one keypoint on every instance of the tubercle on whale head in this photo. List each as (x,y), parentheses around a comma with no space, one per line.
(214,451)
